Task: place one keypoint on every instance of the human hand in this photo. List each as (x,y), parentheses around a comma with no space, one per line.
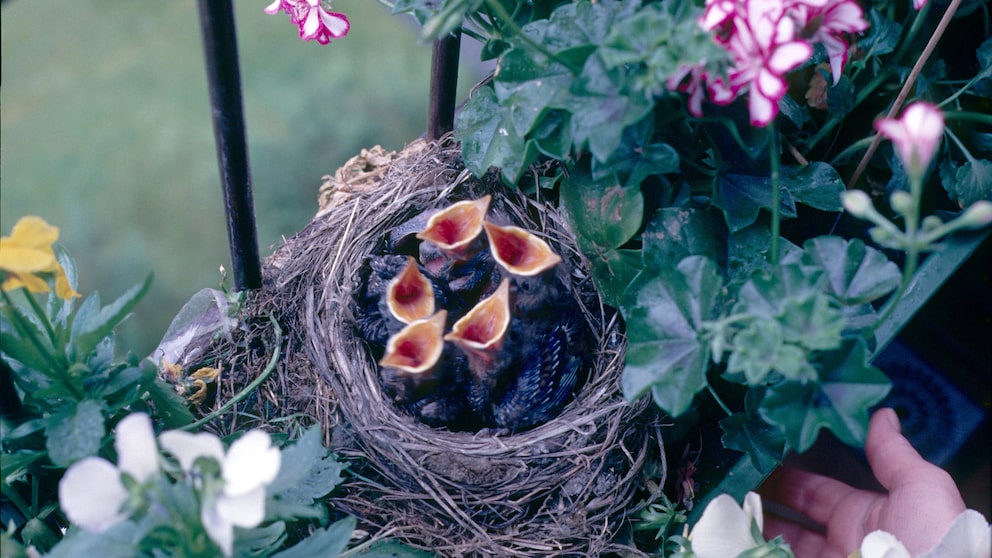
(921,503)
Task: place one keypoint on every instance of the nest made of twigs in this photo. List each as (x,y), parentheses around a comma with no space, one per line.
(562,488)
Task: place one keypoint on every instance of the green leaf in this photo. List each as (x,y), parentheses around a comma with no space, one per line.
(674,233)
(883,37)
(741,197)
(170,407)
(612,271)
(747,432)
(840,98)
(766,293)
(856,273)
(602,212)
(489,139)
(92,328)
(116,542)
(527,83)
(754,349)
(37,534)
(75,432)
(15,465)
(327,542)
(812,322)
(972,182)
(308,472)
(664,314)
(817,185)
(848,387)
(602,109)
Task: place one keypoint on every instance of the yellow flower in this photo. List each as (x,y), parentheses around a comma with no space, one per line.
(27,254)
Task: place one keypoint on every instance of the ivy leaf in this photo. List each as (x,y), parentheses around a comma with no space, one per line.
(847,388)
(603,109)
(489,139)
(883,35)
(635,158)
(612,270)
(747,432)
(664,314)
(526,84)
(741,197)
(602,212)
(817,185)
(972,182)
(767,292)
(674,233)
(74,432)
(840,98)
(856,273)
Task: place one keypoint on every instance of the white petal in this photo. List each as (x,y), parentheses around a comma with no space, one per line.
(244,510)
(968,537)
(273,8)
(769,84)
(337,24)
(218,529)
(752,509)
(137,453)
(91,494)
(188,447)
(723,531)
(880,544)
(251,462)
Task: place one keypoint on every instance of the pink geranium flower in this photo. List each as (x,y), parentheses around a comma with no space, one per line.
(827,23)
(315,22)
(915,135)
(764,47)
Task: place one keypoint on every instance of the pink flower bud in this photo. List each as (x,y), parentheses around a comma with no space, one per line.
(915,135)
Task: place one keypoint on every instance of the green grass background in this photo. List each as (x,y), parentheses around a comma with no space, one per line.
(106,132)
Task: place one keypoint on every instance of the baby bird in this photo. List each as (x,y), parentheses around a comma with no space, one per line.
(409,369)
(532,267)
(453,247)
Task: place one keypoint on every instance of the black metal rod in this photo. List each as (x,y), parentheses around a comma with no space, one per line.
(444,85)
(220,47)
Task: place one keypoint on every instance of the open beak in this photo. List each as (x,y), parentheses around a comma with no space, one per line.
(416,348)
(455,228)
(481,332)
(410,296)
(520,252)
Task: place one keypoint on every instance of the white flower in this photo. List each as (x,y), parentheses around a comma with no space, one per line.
(882,544)
(91,492)
(725,529)
(968,537)
(247,468)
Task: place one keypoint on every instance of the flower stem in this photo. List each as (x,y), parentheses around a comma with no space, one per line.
(912,220)
(776,216)
(501,12)
(250,387)
(907,86)
(719,401)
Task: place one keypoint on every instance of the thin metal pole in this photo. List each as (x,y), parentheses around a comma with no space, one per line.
(220,47)
(444,85)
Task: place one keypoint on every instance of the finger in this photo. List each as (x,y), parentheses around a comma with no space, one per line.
(812,495)
(894,461)
(802,541)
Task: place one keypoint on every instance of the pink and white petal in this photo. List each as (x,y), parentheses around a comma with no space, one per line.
(189,447)
(789,55)
(769,84)
(137,453)
(337,25)
(311,25)
(721,93)
(274,7)
(762,110)
(845,17)
(837,53)
(918,4)
(91,494)
(251,462)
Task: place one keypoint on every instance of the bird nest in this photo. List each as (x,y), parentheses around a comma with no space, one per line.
(564,487)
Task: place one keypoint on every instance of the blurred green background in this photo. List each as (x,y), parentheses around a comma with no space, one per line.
(106,132)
